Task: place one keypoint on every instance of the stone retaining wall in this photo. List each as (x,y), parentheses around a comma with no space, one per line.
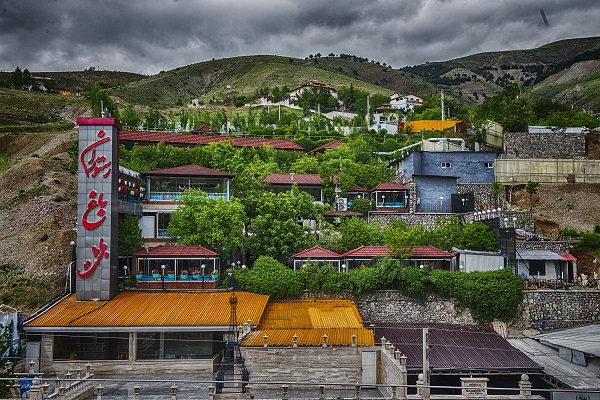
(299,364)
(541,309)
(545,145)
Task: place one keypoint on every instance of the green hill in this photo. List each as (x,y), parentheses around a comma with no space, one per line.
(244,75)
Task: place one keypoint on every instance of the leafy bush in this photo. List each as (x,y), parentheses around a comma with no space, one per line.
(364,280)
(490,295)
(270,277)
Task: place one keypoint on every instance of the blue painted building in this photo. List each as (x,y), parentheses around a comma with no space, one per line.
(466,166)
(434,177)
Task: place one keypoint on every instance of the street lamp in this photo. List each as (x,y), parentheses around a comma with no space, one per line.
(515,222)
(202,268)
(441,201)
(344,266)
(382,201)
(163,267)
(125,271)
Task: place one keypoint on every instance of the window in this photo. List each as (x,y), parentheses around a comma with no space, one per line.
(91,346)
(488,164)
(537,267)
(446,165)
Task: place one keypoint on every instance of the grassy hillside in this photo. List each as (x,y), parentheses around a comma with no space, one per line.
(23,111)
(243,75)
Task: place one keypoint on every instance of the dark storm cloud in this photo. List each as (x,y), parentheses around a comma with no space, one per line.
(152,35)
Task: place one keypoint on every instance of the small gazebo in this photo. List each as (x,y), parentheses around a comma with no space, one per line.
(318,255)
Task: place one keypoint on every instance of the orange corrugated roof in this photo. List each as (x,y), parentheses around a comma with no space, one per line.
(152,309)
(432,125)
(310,319)
(310,314)
(310,337)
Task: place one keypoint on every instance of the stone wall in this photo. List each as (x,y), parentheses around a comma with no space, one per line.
(554,309)
(427,220)
(386,306)
(557,247)
(299,364)
(540,310)
(545,145)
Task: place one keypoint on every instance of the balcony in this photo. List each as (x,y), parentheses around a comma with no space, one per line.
(178,196)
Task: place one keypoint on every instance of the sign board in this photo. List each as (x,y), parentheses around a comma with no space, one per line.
(97,209)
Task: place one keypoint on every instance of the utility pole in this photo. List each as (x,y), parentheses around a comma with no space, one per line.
(368,110)
(443,116)
(426,377)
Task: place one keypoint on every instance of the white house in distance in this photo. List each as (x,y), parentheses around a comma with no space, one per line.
(405,103)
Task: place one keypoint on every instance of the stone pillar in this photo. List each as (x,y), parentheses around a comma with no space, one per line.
(249,390)
(394,390)
(35,392)
(524,386)
(420,386)
(357,392)
(68,377)
(88,370)
(285,388)
(132,346)
(211,392)
(353,340)
(295,340)
(31,367)
(173,392)
(99,391)
(474,387)
(56,384)
(321,392)
(325,340)
(265,340)
(383,340)
(78,372)
(61,392)
(404,373)
(136,392)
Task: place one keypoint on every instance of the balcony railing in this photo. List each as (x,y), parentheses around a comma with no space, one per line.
(173,196)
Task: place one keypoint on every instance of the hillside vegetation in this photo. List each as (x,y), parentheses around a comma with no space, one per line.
(38,200)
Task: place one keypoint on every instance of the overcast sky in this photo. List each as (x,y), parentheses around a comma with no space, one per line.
(148,36)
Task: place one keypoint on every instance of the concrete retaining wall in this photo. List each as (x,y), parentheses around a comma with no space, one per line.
(299,364)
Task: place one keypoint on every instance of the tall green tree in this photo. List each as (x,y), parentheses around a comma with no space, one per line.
(508,108)
(7,353)
(214,223)
(130,234)
(99,99)
(356,232)
(478,236)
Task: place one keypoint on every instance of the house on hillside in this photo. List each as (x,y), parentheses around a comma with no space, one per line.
(405,103)
(435,178)
(309,183)
(390,196)
(417,256)
(317,255)
(166,187)
(310,84)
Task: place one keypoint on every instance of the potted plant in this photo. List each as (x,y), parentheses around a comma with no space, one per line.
(155,274)
(138,274)
(215,275)
(184,274)
(196,274)
(171,274)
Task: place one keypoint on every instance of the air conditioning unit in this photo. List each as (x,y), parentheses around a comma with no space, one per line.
(342,204)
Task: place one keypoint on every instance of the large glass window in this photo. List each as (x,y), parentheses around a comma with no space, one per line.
(537,267)
(91,346)
(175,345)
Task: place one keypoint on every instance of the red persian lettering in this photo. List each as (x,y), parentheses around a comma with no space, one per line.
(99,253)
(93,164)
(91,206)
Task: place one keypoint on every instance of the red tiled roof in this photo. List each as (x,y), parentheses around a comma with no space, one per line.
(368,251)
(289,179)
(176,251)
(330,145)
(389,186)
(192,140)
(568,256)
(189,170)
(203,128)
(316,252)
(357,188)
(383,251)
(455,347)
